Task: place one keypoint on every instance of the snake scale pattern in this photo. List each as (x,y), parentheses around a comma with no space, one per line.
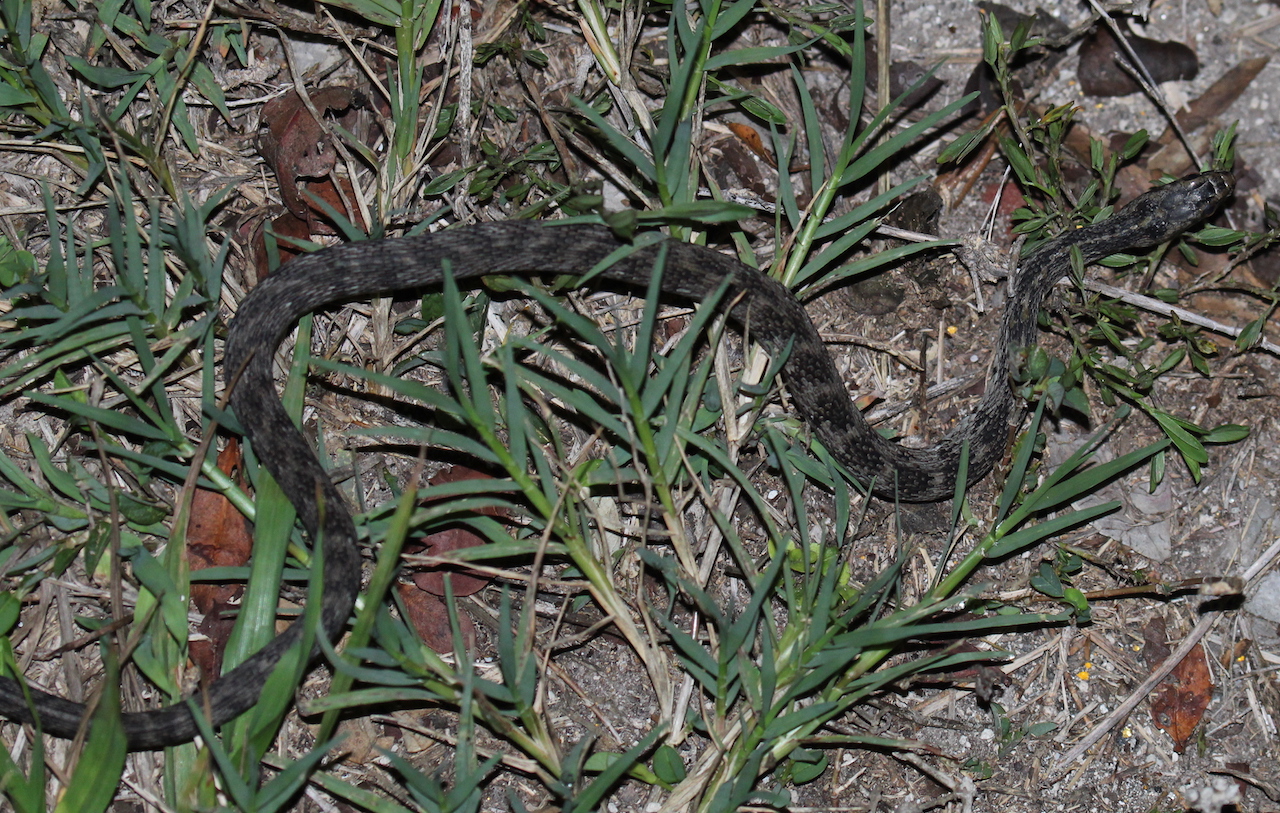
(768,310)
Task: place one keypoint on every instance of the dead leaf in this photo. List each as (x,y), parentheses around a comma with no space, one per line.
(298,147)
(1179,702)
(284,229)
(1217,99)
(737,165)
(749,137)
(289,227)
(465,582)
(218,535)
(425,606)
(430,617)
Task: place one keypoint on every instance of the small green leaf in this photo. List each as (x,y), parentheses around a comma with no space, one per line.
(1019,161)
(1251,333)
(1046,581)
(964,144)
(15,97)
(751,56)
(1040,729)
(140,513)
(16,265)
(623,224)
(601,760)
(9,607)
(1226,433)
(105,77)
(1218,236)
(1181,433)
(807,764)
(443,183)
(702,211)
(668,766)
(766,111)
(992,38)
(1134,145)
(1076,599)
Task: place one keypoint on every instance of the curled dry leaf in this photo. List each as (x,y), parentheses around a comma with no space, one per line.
(297,147)
(217,536)
(751,139)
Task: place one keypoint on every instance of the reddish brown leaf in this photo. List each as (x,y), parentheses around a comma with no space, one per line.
(1180,701)
(1171,156)
(425,606)
(430,617)
(432,578)
(1218,98)
(284,227)
(217,536)
(297,146)
(288,226)
(1011,199)
(465,582)
(748,136)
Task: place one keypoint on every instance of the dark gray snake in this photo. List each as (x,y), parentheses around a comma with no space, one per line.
(767,309)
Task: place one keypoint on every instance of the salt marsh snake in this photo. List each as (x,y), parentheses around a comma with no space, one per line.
(771,314)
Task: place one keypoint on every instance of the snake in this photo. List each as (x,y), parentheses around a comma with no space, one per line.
(756,303)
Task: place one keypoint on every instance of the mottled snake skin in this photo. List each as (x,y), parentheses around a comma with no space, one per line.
(772,315)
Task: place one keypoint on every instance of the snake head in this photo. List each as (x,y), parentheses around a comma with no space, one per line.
(1163,213)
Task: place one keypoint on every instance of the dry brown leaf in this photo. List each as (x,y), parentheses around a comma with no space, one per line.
(218,535)
(1218,98)
(1180,701)
(298,147)
(430,617)
(751,138)
(425,605)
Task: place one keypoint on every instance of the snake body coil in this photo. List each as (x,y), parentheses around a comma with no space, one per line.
(775,318)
